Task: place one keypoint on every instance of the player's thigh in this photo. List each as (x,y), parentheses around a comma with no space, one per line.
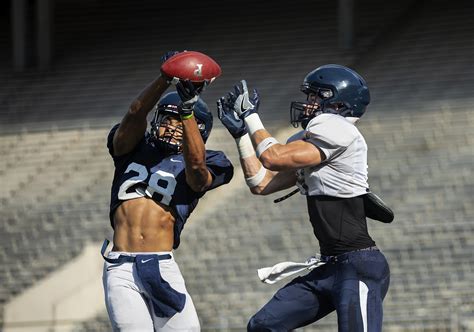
(296,304)
(187,319)
(361,287)
(127,308)
(359,306)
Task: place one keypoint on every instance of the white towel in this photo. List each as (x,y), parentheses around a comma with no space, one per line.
(277,272)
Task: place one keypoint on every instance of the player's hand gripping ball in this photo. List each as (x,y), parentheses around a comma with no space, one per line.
(191,65)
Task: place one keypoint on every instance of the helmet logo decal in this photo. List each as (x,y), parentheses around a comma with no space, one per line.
(198,70)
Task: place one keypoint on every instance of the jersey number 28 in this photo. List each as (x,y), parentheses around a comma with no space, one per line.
(160,184)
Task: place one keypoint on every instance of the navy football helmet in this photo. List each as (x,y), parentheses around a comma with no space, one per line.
(171,140)
(337,89)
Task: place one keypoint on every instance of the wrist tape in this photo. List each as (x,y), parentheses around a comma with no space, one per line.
(245,147)
(187,116)
(264,145)
(253,123)
(255,180)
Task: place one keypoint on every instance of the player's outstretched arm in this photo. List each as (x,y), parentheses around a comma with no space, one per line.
(198,176)
(134,123)
(260,180)
(273,155)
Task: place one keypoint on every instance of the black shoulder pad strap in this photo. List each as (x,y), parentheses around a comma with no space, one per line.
(375,208)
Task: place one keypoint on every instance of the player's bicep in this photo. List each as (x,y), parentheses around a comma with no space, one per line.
(129,133)
(304,154)
(291,156)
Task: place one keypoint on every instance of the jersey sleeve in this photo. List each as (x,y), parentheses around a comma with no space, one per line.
(110,139)
(295,137)
(330,134)
(220,168)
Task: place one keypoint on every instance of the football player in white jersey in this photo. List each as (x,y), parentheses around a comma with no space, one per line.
(327,160)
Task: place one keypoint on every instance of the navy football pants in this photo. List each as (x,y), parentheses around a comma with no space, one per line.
(354,285)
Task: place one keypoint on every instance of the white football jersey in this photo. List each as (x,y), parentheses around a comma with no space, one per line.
(344,171)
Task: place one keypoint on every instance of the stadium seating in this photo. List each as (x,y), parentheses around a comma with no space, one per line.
(55,171)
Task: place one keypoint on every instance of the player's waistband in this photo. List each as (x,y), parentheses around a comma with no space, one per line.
(123,257)
(338,258)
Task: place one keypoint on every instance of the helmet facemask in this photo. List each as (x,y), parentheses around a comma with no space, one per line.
(167,129)
(317,103)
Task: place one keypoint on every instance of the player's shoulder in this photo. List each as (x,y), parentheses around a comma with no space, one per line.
(110,138)
(334,127)
(113,130)
(329,119)
(332,121)
(110,142)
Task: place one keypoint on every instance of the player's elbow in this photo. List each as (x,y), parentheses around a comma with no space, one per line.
(256,190)
(198,185)
(198,178)
(260,190)
(270,161)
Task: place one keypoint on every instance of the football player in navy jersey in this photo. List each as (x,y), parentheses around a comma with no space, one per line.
(160,175)
(327,161)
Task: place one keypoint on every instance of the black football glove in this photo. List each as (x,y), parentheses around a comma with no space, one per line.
(229,118)
(243,104)
(168,55)
(189,94)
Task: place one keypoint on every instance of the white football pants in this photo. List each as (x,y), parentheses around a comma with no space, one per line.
(130,308)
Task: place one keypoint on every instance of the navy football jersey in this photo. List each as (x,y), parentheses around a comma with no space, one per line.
(147,172)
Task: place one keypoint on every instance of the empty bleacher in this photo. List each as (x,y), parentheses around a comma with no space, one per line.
(55,171)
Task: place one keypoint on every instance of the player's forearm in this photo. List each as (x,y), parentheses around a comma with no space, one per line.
(134,123)
(256,176)
(252,169)
(266,147)
(279,157)
(268,150)
(194,152)
(148,97)
(271,181)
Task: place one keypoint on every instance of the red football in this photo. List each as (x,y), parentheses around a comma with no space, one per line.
(191,65)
